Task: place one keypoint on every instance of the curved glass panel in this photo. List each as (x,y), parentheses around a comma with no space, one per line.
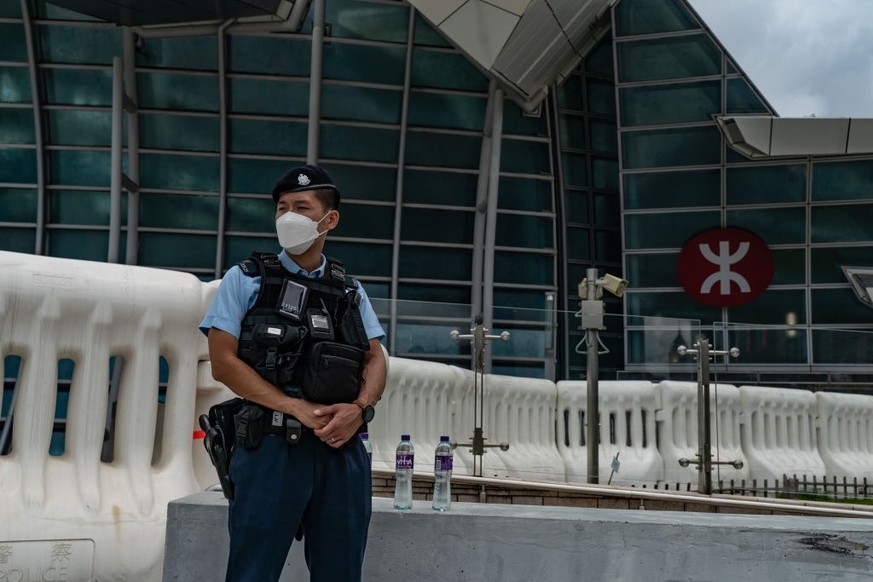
(199,53)
(826,263)
(77,44)
(437,225)
(17,126)
(842,180)
(668,58)
(179,132)
(776,226)
(669,104)
(268,96)
(672,189)
(80,168)
(741,98)
(668,229)
(260,54)
(14,85)
(18,205)
(851,223)
(838,306)
(690,146)
(82,207)
(78,87)
(651,16)
(766,184)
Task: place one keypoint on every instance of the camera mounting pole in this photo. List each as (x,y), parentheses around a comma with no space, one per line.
(478,337)
(591,315)
(704,443)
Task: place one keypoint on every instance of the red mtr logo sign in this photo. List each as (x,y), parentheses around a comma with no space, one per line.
(725,267)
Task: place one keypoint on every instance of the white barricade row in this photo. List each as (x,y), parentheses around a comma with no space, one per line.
(678,431)
(522,414)
(779,433)
(627,428)
(108,516)
(845,435)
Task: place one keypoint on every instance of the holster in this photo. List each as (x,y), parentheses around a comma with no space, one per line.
(219,440)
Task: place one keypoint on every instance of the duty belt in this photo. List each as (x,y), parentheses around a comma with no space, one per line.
(275,422)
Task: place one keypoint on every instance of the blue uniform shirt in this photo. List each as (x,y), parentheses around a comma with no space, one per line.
(238,292)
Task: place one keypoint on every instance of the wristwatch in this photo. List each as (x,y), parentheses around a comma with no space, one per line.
(367,411)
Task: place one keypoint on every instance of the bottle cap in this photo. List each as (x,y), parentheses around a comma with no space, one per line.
(444,438)
(404,437)
(365,435)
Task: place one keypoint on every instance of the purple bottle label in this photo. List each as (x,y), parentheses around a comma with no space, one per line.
(443,463)
(404,461)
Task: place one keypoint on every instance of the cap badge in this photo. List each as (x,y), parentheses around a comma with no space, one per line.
(303,179)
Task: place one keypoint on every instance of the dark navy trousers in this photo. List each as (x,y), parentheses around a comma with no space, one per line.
(277,487)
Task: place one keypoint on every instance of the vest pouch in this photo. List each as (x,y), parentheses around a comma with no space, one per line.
(333,373)
(249,425)
(351,327)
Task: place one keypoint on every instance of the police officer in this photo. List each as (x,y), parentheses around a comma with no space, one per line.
(305,465)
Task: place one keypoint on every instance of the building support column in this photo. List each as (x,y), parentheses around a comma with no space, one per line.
(315,79)
(39,134)
(485,226)
(222,148)
(398,193)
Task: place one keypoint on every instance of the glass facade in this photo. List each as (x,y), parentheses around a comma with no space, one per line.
(679,178)
(621,164)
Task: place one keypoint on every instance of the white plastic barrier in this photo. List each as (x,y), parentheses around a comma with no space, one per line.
(106,519)
(424,400)
(521,412)
(678,431)
(779,433)
(638,459)
(463,402)
(845,437)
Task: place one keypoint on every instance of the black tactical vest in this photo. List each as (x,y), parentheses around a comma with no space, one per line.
(304,335)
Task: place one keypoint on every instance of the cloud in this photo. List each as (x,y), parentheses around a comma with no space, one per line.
(805,57)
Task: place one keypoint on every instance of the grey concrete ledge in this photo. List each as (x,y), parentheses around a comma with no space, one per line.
(515,543)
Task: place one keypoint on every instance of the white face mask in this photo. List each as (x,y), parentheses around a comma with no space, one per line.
(297,232)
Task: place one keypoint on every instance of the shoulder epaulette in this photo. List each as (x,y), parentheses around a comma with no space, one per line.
(252,266)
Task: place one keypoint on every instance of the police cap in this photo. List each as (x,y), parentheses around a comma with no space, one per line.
(308,177)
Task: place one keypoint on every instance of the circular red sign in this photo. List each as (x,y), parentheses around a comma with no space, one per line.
(725,267)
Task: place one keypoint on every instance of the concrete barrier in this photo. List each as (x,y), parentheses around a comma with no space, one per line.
(483,542)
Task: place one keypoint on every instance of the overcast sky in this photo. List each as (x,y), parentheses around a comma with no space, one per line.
(807,57)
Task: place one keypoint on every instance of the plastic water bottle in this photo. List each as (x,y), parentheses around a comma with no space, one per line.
(442,475)
(365,438)
(403,465)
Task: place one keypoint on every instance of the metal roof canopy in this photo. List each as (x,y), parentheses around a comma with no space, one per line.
(766,136)
(162,12)
(526,45)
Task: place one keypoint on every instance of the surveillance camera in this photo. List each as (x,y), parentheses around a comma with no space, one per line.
(583,290)
(613,284)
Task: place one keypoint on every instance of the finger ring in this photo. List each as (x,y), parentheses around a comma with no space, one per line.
(333,440)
